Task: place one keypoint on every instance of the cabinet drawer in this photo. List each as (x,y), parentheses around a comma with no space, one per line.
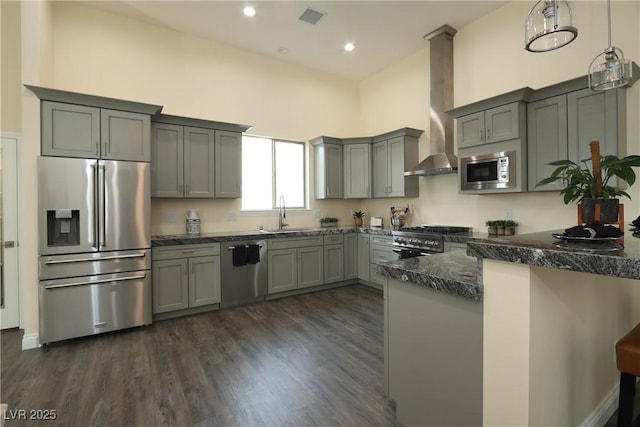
(294,242)
(381,254)
(376,239)
(332,239)
(185,251)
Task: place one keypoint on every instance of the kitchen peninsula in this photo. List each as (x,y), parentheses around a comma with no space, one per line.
(551,313)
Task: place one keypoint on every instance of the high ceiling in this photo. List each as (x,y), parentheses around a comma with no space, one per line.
(382,31)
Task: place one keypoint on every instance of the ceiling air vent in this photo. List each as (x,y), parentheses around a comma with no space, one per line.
(311,16)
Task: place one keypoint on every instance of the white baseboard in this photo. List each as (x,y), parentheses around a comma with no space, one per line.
(604,410)
(30,341)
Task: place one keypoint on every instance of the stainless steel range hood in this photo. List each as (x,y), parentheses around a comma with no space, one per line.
(441,160)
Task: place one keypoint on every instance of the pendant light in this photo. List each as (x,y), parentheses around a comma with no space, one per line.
(549,25)
(615,71)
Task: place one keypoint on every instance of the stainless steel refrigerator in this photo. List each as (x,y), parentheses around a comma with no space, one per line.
(95,239)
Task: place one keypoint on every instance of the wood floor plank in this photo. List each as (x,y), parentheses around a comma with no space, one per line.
(307,360)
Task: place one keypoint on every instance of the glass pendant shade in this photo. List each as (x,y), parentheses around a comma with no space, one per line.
(549,25)
(614,72)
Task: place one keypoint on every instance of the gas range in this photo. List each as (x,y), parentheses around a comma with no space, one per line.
(423,240)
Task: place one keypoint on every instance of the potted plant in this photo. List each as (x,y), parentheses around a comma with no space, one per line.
(358,217)
(591,186)
(509,227)
(492,225)
(328,222)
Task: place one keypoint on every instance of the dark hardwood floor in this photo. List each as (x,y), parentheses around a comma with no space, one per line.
(309,360)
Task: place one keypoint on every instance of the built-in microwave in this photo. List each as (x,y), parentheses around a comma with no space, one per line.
(495,171)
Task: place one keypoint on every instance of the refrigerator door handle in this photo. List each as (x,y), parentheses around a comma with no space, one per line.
(94,209)
(105,258)
(101,204)
(95,282)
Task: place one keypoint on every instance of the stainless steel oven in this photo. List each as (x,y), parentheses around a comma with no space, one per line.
(488,171)
(423,240)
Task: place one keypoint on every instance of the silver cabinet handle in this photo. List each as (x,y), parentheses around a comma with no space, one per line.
(106,258)
(481,134)
(95,282)
(488,133)
(246,246)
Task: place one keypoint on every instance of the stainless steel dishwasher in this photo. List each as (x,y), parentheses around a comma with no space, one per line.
(244,272)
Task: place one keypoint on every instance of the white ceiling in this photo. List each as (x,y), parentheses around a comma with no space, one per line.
(383,31)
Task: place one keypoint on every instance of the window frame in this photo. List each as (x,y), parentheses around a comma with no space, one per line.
(274,197)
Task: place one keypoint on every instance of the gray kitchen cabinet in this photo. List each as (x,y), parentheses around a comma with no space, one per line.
(185,276)
(295,262)
(501,123)
(167,160)
(392,155)
(333,258)
(380,250)
(199,156)
(328,168)
(560,127)
(357,171)
(282,268)
(70,130)
(228,164)
(196,158)
(350,256)
(455,246)
(546,138)
(364,266)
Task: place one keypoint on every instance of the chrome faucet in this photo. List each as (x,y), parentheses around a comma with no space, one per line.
(282,214)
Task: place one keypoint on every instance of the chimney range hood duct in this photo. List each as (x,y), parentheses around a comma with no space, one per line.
(441,160)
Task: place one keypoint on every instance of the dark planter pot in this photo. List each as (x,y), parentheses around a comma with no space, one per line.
(608,209)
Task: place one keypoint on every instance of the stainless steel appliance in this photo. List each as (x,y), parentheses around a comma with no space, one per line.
(423,240)
(488,171)
(95,244)
(243,280)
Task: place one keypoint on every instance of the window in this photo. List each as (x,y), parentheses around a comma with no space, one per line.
(272,168)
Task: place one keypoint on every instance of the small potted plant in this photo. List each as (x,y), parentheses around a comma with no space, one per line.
(358,218)
(492,225)
(509,227)
(328,222)
(590,186)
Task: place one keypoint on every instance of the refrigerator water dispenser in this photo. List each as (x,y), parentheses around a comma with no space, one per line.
(63,227)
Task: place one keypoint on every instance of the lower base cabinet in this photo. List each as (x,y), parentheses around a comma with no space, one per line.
(363,257)
(380,250)
(295,262)
(185,276)
(350,256)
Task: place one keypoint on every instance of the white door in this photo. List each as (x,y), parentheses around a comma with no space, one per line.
(9,290)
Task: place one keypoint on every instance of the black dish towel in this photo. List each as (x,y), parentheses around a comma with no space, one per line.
(239,255)
(253,254)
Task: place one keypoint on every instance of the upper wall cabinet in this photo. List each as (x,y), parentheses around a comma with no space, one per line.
(392,155)
(564,118)
(79,125)
(327,155)
(357,168)
(195,161)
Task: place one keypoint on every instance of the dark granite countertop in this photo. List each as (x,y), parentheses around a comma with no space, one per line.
(452,272)
(226,236)
(616,259)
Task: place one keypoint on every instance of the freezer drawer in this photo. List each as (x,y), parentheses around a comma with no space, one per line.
(81,306)
(90,264)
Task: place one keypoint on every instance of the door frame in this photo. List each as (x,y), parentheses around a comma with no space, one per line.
(20,315)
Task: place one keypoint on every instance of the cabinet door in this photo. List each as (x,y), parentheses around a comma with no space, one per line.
(283,272)
(70,130)
(199,162)
(396,167)
(170,285)
(333,172)
(167,161)
(125,135)
(350,256)
(333,263)
(546,139)
(380,169)
(228,164)
(471,130)
(204,281)
(357,171)
(592,115)
(501,123)
(363,257)
(310,266)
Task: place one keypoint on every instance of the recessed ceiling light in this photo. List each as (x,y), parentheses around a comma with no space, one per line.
(249,11)
(349,47)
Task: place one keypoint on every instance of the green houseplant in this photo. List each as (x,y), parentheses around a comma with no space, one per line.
(591,186)
(358,217)
(328,221)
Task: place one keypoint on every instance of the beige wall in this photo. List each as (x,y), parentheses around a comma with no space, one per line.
(10,68)
(489,59)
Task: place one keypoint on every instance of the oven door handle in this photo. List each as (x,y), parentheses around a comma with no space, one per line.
(399,251)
